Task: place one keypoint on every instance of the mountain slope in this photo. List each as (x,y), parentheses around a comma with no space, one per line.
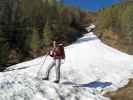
(88,60)
(114,26)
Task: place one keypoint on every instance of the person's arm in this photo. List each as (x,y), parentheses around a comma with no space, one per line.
(51,52)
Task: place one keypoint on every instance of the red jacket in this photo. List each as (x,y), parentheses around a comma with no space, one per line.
(57,53)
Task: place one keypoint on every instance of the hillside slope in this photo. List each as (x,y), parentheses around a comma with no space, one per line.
(115,26)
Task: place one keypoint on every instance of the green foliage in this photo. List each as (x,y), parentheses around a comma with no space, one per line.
(48,37)
(31,25)
(127,22)
(4,52)
(119,20)
(34,40)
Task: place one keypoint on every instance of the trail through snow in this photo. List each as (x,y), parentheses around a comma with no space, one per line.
(94,66)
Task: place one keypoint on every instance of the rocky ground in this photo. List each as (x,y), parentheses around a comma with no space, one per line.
(125,93)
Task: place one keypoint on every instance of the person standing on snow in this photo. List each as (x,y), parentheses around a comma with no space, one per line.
(57,53)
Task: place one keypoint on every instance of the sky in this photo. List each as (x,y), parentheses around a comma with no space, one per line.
(90,5)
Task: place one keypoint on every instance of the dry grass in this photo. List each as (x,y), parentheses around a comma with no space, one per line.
(115,40)
(125,93)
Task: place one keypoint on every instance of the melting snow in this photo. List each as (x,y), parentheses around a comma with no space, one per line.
(88,60)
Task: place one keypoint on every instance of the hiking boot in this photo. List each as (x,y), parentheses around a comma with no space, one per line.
(45,78)
(56,81)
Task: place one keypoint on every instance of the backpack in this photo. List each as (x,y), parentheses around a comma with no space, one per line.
(58,52)
(61,47)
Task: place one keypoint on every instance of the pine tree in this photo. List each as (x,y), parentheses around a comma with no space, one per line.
(48,35)
(34,43)
(4,53)
(127,22)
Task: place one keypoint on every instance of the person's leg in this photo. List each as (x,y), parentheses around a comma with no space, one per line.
(49,69)
(57,69)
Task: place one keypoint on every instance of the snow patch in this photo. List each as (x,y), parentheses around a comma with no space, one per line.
(87,60)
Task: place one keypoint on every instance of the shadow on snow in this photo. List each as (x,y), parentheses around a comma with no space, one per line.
(95,84)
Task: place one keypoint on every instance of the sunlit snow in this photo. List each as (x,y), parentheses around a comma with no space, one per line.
(88,62)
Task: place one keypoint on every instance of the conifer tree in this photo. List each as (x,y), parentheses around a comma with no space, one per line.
(48,35)
(34,43)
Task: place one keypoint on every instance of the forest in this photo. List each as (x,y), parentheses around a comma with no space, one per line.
(28,27)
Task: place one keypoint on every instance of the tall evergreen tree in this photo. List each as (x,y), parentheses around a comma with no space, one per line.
(48,37)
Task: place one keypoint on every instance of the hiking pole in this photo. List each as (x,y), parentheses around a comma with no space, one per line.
(41,65)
